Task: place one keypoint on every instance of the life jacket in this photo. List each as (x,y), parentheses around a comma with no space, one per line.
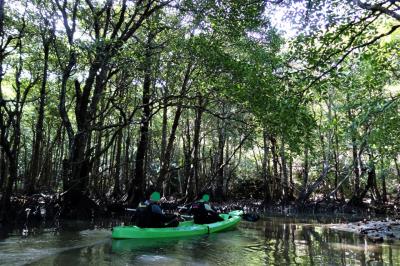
(202,216)
(198,209)
(141,215)
(146,218)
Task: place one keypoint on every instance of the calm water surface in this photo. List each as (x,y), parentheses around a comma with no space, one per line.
(270,241)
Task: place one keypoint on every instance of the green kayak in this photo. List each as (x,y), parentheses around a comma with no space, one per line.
(187,228)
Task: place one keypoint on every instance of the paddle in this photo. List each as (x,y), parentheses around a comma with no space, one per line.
(250,217)
(186,217)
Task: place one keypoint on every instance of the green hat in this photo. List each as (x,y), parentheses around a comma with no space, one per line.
(205,197)
(155,196)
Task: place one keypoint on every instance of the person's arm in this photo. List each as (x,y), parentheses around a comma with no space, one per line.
(208,207)
(156,209)
(190,210)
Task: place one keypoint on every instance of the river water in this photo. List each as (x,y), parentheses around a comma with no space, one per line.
(269,241)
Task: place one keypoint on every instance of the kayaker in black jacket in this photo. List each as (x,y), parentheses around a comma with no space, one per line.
(150,215)
(203,213)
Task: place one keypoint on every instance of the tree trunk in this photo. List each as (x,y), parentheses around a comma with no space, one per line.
(265,170)
(164,126)
(9,182)
(375,191)
(276,187)
(3,168)
(396,163)
(117,177)
(227,166)
(219,192)
(67,163)
(85,113)
(166,158)
(97,77)
(306,193)
(305,169)
(36,161)
(9,122)
(136,192)
(196,143)
(371,185)
(164,170)
(127,160)
(291,183)
(187,151)
(11,144)
(337,163)
(285,176)
(356,167)
(97,161)
(383,178)
(232,169)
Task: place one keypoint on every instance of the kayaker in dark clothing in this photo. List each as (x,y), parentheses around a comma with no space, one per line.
(150,215)
(203,213)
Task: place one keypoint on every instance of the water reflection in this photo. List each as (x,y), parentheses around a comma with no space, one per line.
(290,242)
(270,241)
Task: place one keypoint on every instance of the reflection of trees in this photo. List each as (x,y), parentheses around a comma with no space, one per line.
(282,238)
(376,255)
(286,243)
(306,236)
(292,243)
(293,230)
(362,258)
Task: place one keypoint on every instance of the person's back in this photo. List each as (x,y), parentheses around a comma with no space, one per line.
(203,213)
(141,215)
(199,212)
(150,215)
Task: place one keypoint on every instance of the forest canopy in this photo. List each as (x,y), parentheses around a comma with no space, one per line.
(277,100)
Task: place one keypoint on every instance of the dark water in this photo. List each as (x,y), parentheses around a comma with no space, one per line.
(270,241)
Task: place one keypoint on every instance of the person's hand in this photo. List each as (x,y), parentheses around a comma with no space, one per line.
(179,218)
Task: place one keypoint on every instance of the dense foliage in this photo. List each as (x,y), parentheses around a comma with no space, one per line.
(110,100)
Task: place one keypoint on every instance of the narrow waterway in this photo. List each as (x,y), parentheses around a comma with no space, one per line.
(270,241)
